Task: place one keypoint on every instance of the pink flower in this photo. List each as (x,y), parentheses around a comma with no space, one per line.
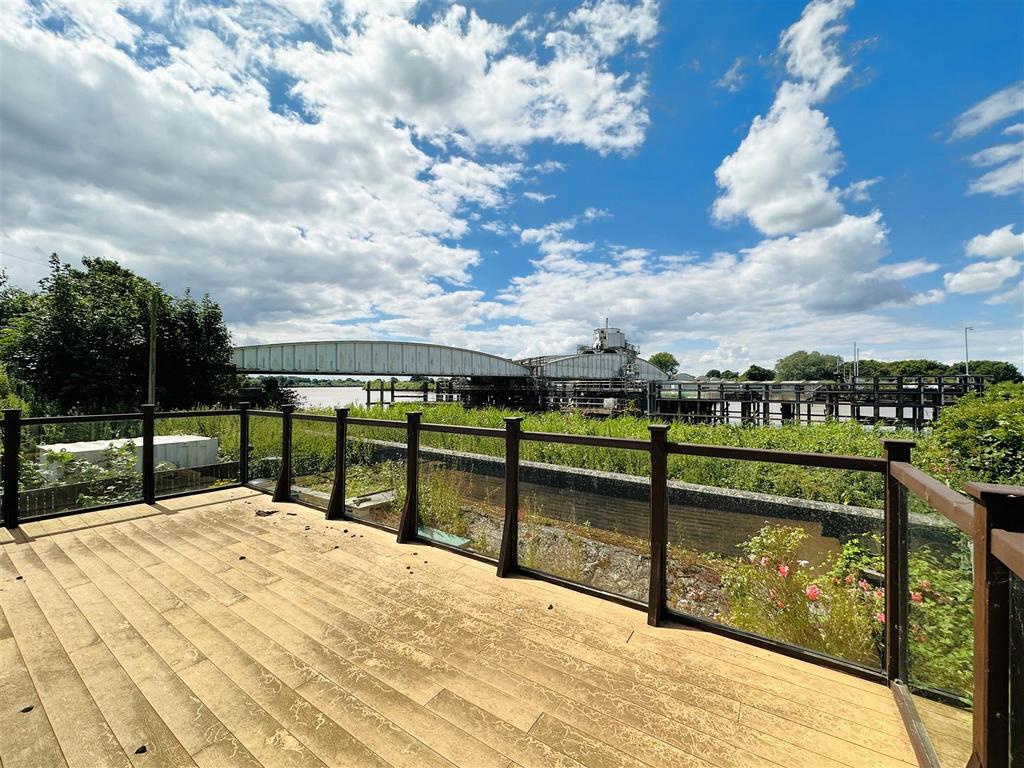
(784,570)
(772,594)
(849,579)
(765,561)
(924,584)
(863,584)
(916,597)
(813,592)
(880,617)
(879,594)
(781,604)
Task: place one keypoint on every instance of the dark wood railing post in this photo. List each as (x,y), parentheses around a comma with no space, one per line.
(283,491)
(657,599)
(148,462)
(897,589)
(410,511)
(508,557)
(995,506)
(336,505)
(12,456)
(243,443)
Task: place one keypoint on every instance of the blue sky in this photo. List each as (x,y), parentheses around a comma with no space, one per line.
(727,181)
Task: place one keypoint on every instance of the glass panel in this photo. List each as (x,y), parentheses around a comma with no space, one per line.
(1016,671)
(67,467)
(588,522)
(264,450)
(941,631)
(195,453)
(462,494)
(788,552)
(313,444)
(375,472)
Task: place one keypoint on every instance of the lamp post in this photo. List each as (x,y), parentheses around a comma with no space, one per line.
(967,356)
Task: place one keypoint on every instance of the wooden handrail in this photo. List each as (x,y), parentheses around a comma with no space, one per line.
(958,508)
(1008,546)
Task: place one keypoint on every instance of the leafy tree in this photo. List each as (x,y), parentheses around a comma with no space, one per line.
(81,343)
(714,373)
(997,370)
(757,373)
(730,375)
(916,368)
(666,361)
(804,366)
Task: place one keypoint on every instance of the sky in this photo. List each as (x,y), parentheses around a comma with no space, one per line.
(725,181)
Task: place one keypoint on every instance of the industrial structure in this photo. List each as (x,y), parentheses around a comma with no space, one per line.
(609,377)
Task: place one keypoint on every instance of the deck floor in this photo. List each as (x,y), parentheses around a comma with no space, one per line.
(197,632)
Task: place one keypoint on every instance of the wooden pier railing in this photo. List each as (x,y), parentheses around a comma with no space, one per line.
(992,516)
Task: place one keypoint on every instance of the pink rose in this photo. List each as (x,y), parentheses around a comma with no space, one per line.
(916,597)
(863,584)
(784,570)
(813,592)
(765,561)
(880,617)
(879,594)
(781,604)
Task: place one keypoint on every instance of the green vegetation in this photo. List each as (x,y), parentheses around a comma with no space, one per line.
(665,361)
(808,366)
(757,373)
(81,343)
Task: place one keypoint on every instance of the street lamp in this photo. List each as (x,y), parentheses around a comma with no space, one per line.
(967,356)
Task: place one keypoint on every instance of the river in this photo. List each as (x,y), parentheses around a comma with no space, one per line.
(339,397)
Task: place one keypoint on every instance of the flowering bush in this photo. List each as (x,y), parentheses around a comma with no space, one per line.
(773,593)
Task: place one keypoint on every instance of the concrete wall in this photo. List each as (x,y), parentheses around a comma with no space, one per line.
(703,518)
(173,451)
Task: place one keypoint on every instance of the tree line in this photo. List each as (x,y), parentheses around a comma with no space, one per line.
(817,366)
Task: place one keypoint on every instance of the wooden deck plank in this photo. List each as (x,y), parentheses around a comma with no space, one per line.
(108,602)
(84,736)
(339,677)
(350,649)
(123,705)
(29,740)
(854,754)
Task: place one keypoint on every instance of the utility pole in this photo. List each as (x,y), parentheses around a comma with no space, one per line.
(151,389)
(967,356)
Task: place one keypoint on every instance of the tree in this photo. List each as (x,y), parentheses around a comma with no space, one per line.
(996,370)
(714,373)
(666,361)
(81,342)
(807,366)
(757,373)
(730,375)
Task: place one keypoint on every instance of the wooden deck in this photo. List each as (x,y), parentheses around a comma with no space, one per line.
(196,632)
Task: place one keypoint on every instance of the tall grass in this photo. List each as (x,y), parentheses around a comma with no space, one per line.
(313,446)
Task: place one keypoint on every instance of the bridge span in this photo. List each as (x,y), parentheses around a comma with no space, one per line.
(406,358)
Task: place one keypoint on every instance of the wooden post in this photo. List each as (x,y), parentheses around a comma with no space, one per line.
(243,443)
(897,590)
(336,504)
(426,392)
(283,491)
(657,597)
(995,506)
(369,392)
(12,456)
(409,522)
(382,392)
(508,557)
(148,463)
(392,391)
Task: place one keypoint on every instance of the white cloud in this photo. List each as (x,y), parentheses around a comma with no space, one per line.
(812,55)
(988,112)
(1008,177)
(859,191)
(998,244)
(537,197)
(1014,295)
(780,176)
(183,165)
(733,78)
(982,276)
